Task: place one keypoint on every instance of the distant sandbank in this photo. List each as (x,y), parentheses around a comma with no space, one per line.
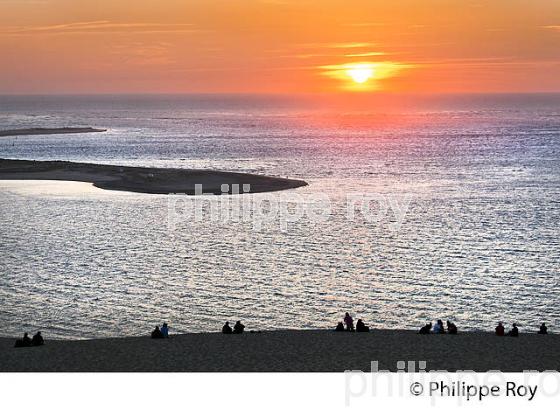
(287,351)
(48,131)
(139,179)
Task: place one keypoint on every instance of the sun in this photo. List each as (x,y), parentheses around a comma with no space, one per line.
(363,76)
(360,73)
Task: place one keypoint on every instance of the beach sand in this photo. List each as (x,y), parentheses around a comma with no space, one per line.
(142,180)
(287,351)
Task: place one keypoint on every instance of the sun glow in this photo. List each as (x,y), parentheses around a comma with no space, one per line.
(363,76)
(360,73)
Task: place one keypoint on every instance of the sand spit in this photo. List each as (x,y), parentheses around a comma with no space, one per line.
(48,131)
(142,180)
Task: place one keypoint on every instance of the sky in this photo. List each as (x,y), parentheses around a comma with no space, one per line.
(279,46)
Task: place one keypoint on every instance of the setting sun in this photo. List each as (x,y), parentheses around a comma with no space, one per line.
(360,73)
(364,75)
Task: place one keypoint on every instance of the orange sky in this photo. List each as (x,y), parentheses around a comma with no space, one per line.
(278,46)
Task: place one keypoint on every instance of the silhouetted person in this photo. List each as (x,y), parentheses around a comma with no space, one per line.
(339,327)
(37,339)
(500,330)
(238,328)
(514,332)
(26,340)
(438,328)
(156,333)
(361,327)
(543,330)
(425,330)
(165,330)
(349,322)
(227,329)
(451,328)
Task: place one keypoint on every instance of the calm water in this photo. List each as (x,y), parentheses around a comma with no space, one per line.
(479,242)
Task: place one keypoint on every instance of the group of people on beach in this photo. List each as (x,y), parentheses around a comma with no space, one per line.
(162,333)
(514,332)
(26,341)
(347,325)
(438,328)
(237,328)
(349,322)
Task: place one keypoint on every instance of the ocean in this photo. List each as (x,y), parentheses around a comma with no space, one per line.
(463,219)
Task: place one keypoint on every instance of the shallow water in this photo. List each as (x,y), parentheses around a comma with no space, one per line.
(478,242)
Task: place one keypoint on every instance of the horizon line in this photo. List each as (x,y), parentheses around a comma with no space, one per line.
(279,94)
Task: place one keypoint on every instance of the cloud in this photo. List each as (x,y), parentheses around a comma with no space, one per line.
(335,45)
(350,45)
(331,55)
(486,62)
(555,28)
(366,54)
(99,27)
(23,2)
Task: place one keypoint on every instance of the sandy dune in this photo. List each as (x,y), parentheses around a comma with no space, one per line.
(288,351)
(143,180)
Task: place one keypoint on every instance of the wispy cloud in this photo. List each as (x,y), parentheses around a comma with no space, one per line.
(366,54)
(555,28)
(342,45)
(486,62)
(333,54)
(99,27)
(23,2)
(350,45)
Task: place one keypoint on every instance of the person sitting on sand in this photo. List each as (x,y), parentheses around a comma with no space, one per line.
(361,327)
(514,332)
(425,330)
(500,330)
(226,330)
(438,327)
(23,342)
(156,333)
(37,339)
(349,322)
(543,330)
(451,328)
(238,328)
(339,327)
(164,330)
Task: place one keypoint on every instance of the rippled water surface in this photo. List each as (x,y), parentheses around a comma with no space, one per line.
(479,241)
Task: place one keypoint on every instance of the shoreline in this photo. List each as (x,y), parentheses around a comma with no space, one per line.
(48,131)
(142,179)
(287,351)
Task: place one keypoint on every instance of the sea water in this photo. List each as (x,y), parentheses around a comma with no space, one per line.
(478,240)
